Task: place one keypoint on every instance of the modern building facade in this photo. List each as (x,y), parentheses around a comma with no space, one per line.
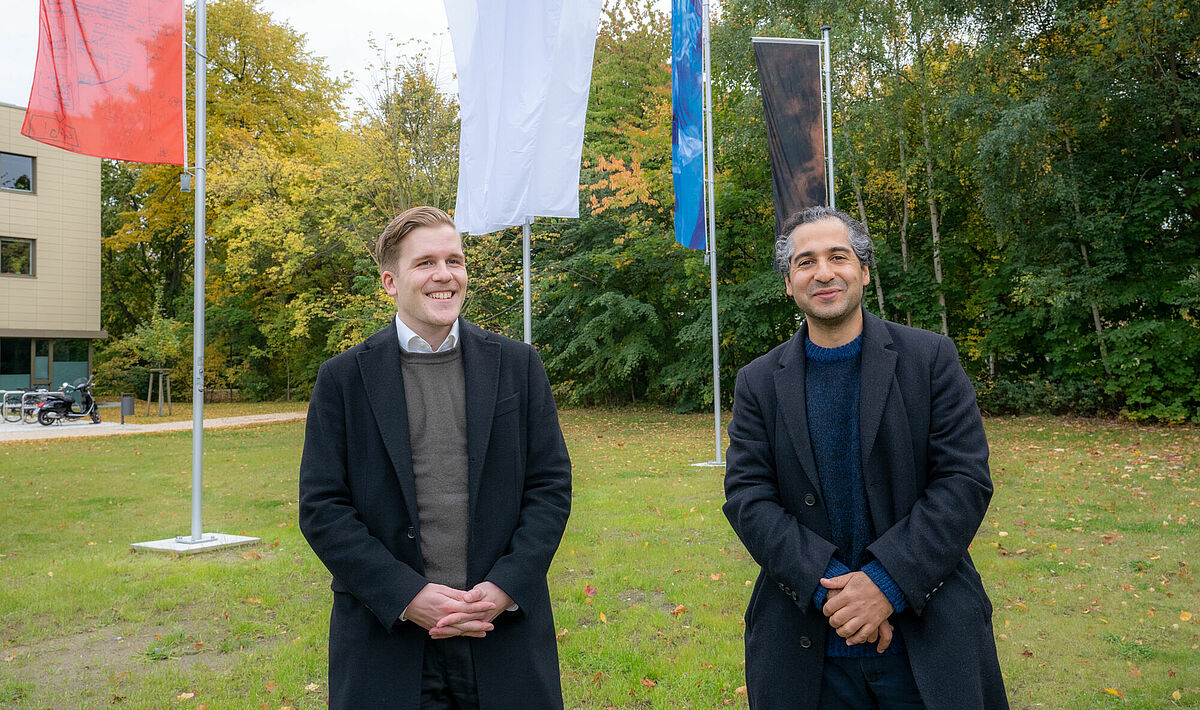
(49,259)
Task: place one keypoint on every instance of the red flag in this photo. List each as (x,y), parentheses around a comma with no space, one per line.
(109,79)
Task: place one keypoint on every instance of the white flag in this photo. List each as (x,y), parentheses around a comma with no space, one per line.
(524,69)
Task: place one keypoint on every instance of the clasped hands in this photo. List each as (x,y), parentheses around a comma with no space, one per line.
(448,612)
(857,610)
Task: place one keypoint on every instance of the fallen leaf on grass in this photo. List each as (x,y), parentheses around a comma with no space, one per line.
(648,683)
(589,590)
(596,678)
(9,658)
(741,690)
(677,610)
(1027,653)
(716,576)
(1176,696)
(1185,616)
(603,618)
(312,687)
(560,634)
(185,696)
(252,600)
(1117,692)
(252,555)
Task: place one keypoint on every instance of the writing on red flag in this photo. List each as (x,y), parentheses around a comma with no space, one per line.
(109,79)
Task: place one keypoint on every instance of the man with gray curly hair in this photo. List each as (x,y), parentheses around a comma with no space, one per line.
(857,477)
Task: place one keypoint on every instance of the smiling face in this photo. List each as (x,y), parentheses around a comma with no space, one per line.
(428,281)
(826,280)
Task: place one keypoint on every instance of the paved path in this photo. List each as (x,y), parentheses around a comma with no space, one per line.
(30,432)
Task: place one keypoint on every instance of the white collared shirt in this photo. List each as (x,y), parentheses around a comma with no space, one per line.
(410,342)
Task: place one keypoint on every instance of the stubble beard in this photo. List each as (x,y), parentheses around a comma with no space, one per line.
(834,320)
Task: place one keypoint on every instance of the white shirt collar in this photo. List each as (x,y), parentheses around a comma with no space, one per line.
(410,342)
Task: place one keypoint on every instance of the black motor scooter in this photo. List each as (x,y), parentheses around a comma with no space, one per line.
(57,406)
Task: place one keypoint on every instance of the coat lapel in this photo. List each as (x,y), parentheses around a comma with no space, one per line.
(789,395)
(481,367)
(878,373)
(379,366)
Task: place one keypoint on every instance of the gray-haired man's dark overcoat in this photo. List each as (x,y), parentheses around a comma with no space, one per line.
(924,463)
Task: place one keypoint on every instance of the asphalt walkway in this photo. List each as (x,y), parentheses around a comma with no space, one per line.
(13,431)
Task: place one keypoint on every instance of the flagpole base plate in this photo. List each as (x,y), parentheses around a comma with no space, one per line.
(711,464)
(186,545)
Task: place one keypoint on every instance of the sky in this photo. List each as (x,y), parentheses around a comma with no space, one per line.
(336,29)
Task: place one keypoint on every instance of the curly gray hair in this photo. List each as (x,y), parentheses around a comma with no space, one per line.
(860,241)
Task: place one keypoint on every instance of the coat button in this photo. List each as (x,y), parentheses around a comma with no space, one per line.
(805,642)
(810,499)
(412,533)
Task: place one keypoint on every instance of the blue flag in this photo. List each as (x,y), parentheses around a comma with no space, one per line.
(687,129)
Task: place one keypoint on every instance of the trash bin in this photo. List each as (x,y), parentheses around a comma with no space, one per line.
(126,405)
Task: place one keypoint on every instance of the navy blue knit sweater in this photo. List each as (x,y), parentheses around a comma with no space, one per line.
(832,383)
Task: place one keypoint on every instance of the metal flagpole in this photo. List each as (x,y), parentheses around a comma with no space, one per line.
(198,540)
(198,279)
(828,113)
(711,253)
(525,281)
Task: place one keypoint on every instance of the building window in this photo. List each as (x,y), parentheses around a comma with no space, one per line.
(16,256)
(16,172)
(15,363)
(70,362)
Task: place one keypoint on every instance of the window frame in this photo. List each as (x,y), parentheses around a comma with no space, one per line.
(32,174)
(32,257)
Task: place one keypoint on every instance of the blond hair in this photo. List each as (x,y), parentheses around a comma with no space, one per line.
(388,244)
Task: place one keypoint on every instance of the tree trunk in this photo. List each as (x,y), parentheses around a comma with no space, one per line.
(904,208)
(862,215)
(933,222)
(1087,264)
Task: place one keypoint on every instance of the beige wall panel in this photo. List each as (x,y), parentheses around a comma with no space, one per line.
(63,216)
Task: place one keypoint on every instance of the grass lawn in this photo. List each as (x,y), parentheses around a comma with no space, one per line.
(1087,553)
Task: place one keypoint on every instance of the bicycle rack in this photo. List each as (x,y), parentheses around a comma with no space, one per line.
(10,405)
(29,402)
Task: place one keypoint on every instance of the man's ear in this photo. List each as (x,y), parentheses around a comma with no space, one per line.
(866,275)
(388,279)
(787,285)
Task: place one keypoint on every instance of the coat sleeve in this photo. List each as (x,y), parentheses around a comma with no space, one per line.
(545,498)
(790,553)
(923,548)
(330,522)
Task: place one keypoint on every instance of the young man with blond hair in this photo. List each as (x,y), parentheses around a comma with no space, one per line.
(435,485)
